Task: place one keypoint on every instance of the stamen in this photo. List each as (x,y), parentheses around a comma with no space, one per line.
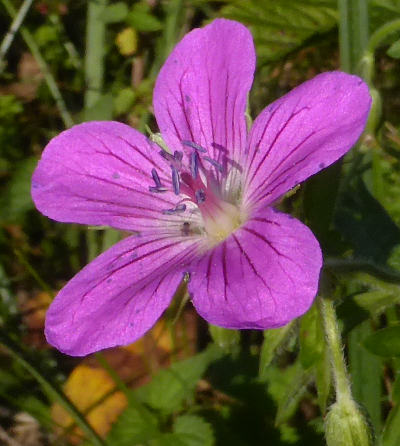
(157,190)
(178,155)
(194,164)
(166,155)
(176,210)
(214,163)
(175,180)
(156,178)
(219,147)
(200,196)
(195,146)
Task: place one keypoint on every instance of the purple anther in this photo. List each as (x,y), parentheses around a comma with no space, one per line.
(195,146)
(175,180)
(166,155)
(218,147)
(178,155)
(157,190)
(200,196)
(156,178)
(194,164)
(176,210)
(214,163)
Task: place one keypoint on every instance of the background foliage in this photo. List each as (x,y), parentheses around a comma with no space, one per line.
(185,383)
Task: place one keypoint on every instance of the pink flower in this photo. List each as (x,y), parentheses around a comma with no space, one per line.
(205,207)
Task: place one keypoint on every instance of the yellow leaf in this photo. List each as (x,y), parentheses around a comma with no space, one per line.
(91,390)
(126,41)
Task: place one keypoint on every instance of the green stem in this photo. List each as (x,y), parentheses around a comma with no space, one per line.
(353,32)
(9,37)
(339,371)
(51,389)
(95,51)
(51,82)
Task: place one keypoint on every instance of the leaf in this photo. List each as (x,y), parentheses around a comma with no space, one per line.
(134,426)
(279,27)
(143,21)
(17,200)
(170,387)
(273,339)
(384,342)
(391,431)
(101,110)
(311,338)
(189,430)
(114,13)
(91,390)
(394,50)
(226,339)
(377,235)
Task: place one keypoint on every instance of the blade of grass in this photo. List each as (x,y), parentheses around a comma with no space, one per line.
(49,78)
(50,388)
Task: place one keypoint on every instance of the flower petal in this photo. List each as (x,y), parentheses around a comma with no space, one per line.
(263,276)
(303,132)
(119,296)
(201,91)
(99,173)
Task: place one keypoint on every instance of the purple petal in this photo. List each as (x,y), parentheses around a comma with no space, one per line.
(303,132)
(99,173)
(119,296)
(263,276)
(201,92)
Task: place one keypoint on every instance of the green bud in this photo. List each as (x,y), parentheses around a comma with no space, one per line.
(346,426)
(224,338)
(376,111)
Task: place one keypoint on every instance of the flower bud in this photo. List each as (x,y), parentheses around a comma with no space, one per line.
(346,426)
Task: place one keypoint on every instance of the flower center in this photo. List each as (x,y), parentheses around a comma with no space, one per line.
(201,183)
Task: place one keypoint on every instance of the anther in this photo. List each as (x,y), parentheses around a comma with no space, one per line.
(175,180)
(166,155)
(214,163)
(218,146)
(178,155)
(176,210)
(195,146)
(194,164)
(156,178)
(200,196)
(157,190)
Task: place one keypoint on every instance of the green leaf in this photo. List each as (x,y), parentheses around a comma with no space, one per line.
(101,110)
(279,27)
(114,13)
(143,21)
(189,430)
(391,430)
(226,339)
(377,235)
(170,387)
(273,339)
(384,342)
(17,197)
(311,338)
(394,50)
(134,426)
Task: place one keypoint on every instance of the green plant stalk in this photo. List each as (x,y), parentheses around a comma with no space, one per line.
(353,32)
(339,371)
(94,78)
(52,390)
(9,37)
(95,51)
(49,78)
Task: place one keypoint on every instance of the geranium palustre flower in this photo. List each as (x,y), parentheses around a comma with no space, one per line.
(203,208)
